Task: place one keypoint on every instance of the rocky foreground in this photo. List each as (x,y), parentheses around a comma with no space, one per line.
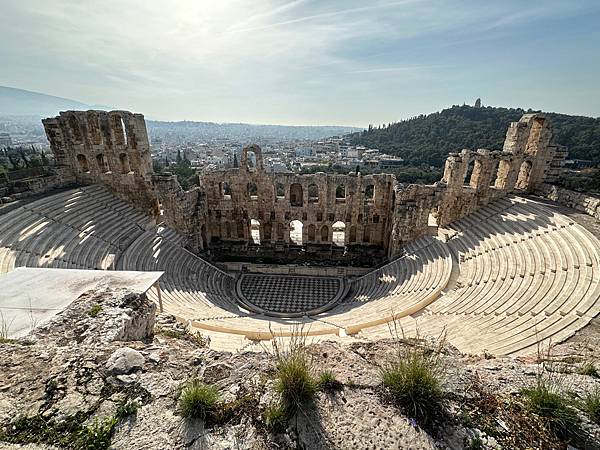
(103,374)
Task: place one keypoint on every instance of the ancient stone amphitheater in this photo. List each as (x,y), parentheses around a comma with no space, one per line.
(482,255)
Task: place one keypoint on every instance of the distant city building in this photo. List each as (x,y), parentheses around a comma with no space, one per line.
(390,163)
(305,151)
(5,139)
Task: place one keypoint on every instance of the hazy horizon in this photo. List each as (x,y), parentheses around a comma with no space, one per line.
(305,62)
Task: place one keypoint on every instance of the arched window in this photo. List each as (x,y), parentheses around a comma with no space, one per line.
(279,190)
(340,192)
(296,194)
(203,237)
(228,230)
(469,171)
(524,173)
(339,234)
(366,234)
(311,233)
(75,130)
(252,191)
(124,160)
(240,229)
(250,160)
(369,192)
(324,233)
(102,164)
(313,193)
(124,131)
(225,190)
(280,232)
(267,231)
(83,164)
(494,172)
(255,231)
(296,232)
(352,238)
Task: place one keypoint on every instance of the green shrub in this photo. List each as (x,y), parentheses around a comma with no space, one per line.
(328,381)
(197,400)
(591,405)
(127,409)
(413,380)
(95,310)
(545,400)
(275,417)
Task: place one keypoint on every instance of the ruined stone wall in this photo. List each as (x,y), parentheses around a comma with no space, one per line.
(376,214)
(586,203)
(362,205)
(110,148)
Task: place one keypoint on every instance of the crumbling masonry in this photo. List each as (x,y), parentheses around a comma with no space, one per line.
(246,211)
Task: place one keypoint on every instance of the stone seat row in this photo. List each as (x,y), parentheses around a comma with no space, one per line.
(84,228)
(527,274)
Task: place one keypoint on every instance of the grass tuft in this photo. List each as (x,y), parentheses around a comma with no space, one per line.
(198,400)
(591,405)
(588,368)
(94,310)
(128,409)
(413,378)
(327,381)
(295,382)
(275,417)
(545,400)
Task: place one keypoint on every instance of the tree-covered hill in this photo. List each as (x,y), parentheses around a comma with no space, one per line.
(427,139)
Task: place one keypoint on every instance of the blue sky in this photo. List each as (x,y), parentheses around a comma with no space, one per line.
(305,61)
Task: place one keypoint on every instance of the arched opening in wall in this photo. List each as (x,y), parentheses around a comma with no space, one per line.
(340,193)
(279,190)
(83,164)
(280,232)
(366,234)
(203,236)
(225,190)
(469,171)
(296,194)
(432,219)
(312,233)
(324,233)
(524,173)
(252,191)
(267,232)
(250,160)
(352,237)
(494,174)
(475,173)
(75,130)
(296,232)
(102,164)
(255,231)
(124,130)
(240,229)
(228,230)
(124,161)
(313,193)
(339,233)
(502,174)
(369,193)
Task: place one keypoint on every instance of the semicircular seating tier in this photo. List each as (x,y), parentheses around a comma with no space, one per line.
(510,275)
(529,276)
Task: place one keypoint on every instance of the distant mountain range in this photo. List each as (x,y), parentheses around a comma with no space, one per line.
(19,102)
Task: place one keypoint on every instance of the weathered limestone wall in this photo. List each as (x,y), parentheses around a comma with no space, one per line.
(586,203)
(378,215)
(110,148)
(52,178)
(361,204)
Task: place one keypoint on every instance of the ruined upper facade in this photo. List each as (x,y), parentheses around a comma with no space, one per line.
(111,148)
(247,211)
